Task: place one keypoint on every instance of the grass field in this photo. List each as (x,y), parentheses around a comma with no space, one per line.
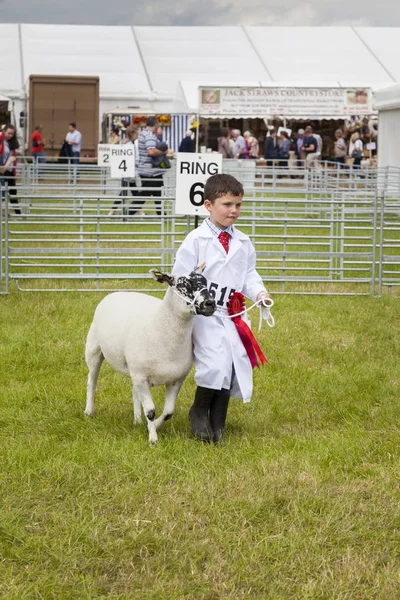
(301,501)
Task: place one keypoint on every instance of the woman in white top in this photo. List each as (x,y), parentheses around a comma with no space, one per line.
(132,134)
(358,150)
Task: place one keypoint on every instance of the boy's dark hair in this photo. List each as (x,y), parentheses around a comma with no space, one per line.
(221,184)
(72,124)
(151,121)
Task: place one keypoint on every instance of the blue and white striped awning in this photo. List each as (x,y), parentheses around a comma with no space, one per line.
(174,133)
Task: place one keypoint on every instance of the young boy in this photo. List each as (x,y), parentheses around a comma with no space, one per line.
(221,362)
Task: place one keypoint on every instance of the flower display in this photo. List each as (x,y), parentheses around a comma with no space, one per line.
(164,120)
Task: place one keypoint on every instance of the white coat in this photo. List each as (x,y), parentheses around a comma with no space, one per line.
(217,346)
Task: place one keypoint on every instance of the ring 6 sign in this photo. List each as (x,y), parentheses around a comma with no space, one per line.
(192,171)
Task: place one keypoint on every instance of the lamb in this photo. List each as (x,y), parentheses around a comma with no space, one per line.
(148,340)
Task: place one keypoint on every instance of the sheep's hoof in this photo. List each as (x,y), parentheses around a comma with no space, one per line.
(88,413)
(137,420)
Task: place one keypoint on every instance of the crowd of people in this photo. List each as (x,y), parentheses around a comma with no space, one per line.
(306,145)
(151,154)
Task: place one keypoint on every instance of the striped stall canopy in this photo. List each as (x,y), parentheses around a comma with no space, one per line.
(175,133)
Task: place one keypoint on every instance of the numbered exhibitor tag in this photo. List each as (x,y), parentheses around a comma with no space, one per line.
(192,171)
(103,155)
(122,161)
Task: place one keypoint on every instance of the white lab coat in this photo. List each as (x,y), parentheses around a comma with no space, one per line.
(217,346)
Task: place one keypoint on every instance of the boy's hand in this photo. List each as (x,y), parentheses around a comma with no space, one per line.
(265,299)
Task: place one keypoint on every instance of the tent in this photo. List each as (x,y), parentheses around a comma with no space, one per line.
(387,102)
(140,67)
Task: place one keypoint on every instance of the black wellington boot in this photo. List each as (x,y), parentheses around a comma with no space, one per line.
(198,413)
(218,411)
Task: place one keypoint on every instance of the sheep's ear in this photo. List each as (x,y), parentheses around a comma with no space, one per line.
(200,268)
(162,277)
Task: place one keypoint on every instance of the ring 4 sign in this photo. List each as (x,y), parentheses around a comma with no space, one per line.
(121,159)
(192,171)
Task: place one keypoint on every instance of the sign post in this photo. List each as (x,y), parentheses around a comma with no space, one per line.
(192,171)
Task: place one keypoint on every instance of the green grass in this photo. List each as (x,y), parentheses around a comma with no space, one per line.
(301,501)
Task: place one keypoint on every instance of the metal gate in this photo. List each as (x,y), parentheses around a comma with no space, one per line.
(320,231)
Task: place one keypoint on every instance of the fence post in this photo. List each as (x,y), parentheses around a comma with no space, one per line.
(1,239)
(381,234)
(6,266)
(374,240)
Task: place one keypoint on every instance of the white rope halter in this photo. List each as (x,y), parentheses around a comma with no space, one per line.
(269,319)
(189,302)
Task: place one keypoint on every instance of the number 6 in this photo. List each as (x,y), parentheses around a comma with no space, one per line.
(193,192)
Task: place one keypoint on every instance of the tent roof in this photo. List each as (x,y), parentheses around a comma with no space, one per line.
(217,54)
(388,98)
(110,53)
(150,61)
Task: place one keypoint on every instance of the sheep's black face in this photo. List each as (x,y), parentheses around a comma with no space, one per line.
(194,288)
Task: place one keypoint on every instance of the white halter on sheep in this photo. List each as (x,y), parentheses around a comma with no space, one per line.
(148,340)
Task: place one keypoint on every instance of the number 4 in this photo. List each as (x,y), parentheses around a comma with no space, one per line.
(122,165)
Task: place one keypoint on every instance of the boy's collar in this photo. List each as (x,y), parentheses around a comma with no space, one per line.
(205,230)
(217,230)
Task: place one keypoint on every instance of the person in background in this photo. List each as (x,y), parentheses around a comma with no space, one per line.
(239,149)
(114,136)
(224,147)
(358,150)
(319,142)
(74,139)
(310,147)
(299,146)
(252,148)
(187,144)
(129,183)
(152,178)
(340,147)
(38,155)
(270,148)
(284,149)
(159,134)
(8,156)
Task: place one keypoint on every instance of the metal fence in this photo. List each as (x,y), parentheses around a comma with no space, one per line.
(326,230)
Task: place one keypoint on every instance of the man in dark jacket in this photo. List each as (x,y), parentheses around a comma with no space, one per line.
(270,148)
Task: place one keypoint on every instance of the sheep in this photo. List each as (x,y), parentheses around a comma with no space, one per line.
(148,340)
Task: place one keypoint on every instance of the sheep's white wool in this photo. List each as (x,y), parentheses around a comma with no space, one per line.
(147,339)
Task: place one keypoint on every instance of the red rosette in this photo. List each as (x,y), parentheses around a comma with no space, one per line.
(236,305)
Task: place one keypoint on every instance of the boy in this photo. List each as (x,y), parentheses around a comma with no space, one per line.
(221,362)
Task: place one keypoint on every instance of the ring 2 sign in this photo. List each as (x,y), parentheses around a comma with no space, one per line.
(192,171)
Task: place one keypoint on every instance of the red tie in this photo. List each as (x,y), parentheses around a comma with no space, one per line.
(224,239)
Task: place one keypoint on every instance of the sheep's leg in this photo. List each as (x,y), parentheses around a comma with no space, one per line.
(94,361)
(171,394)
(137,407)
(144,393)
